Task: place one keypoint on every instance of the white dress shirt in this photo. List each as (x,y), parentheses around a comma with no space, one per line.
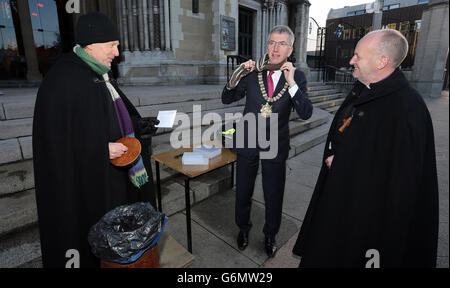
(276,77)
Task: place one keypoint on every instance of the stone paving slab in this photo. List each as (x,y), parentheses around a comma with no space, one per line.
(209,250)
(16,128)
(18,211)
(14,177)
(10,151)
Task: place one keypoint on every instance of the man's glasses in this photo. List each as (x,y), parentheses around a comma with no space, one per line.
(282,44)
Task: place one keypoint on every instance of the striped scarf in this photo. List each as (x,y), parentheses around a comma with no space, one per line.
(137,173)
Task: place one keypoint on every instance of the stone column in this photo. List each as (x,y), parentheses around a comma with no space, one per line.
(167,25)
(432,49)
(26,28)
(264,30)
(124,24)
(300,24)
(129,20)
(135,26)
(151,25)
(377,15)
(145,23)
(162,38)
(141,26)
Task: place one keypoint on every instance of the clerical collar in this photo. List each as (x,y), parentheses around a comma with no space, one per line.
(368,86)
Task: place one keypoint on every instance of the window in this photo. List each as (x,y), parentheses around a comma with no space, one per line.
(390,7)
(347,34)
(422,2)
(418,25)
(404,27)
(392,26)
(358,12)
(344,53)
(194,6)
(44,20)
(8,42)
(310,28)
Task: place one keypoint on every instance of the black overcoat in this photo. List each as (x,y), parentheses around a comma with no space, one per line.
(74,120)
(381,191)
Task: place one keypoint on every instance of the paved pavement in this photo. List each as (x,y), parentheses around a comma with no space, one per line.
(214,231)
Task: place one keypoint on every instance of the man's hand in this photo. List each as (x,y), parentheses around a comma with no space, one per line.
(329,161)
(116,150)
(289,72)
(249,65)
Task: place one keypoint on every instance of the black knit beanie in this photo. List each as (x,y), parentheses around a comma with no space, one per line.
(95,27)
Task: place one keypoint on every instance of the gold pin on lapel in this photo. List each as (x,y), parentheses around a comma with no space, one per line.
(345,124)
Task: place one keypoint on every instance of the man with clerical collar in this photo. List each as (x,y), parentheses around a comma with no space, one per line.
(272,87)
(375,203)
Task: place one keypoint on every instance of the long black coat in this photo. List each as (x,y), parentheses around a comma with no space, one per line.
(74,120)
(381,191)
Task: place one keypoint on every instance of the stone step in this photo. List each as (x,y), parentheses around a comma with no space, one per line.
(315,84)
(16,128)
(21,249)
(16,167)
(312,88)
(328,91)
(187,107)
(296,126)
(333,110)
(17,211)
(19,83)
(147,104)
(327,97)
(309,139)
(16,177)
(330,103)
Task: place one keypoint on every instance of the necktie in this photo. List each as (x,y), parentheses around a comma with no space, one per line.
(270,84)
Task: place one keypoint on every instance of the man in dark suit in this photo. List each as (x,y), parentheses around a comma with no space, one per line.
(270,94)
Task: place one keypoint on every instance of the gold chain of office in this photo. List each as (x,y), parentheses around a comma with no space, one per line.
(266,110)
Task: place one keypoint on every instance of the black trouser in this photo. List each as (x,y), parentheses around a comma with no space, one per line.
(273,179)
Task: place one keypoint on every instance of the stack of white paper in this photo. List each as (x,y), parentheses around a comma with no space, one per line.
(194,158)
(208,151)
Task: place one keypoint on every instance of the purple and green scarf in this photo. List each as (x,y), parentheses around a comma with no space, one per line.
(137,173)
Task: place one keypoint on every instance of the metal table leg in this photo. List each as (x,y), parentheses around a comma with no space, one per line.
(188,213)
(232,175)
(158,186)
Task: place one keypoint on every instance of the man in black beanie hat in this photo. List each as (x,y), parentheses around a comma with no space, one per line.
(79,115)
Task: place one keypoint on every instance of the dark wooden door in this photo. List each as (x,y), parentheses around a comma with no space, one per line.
(245,38)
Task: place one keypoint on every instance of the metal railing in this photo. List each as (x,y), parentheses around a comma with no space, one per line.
(333,74)
(233,60)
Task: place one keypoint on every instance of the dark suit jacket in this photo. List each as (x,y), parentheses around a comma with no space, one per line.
(248,86)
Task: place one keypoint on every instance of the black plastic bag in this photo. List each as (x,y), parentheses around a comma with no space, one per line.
(126,232)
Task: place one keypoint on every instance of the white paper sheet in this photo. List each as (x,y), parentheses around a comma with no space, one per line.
(166,118)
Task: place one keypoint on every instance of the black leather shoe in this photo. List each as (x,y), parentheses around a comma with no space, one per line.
(242,240)
(270,246)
